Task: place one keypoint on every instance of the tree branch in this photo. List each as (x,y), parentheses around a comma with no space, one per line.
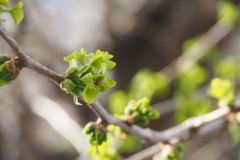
(173,135)
(26,61)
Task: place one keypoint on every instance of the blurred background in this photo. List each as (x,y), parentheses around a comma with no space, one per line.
(38,121)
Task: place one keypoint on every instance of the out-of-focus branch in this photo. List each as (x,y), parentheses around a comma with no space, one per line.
(60,121)
(26,61)
(212,37)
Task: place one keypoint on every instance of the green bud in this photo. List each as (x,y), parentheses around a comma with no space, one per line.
(8,69)
(96,132)
(223,90)
(140,112)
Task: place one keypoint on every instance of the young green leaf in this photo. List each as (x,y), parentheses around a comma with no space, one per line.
(17,12)
(78,56)
(4,3)
(90,94)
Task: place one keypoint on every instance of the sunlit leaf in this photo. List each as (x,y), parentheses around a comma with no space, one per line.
(227,13)
(4,3)
(17,12)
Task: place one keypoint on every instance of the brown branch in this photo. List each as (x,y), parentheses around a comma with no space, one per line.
(173,135)
(26,61)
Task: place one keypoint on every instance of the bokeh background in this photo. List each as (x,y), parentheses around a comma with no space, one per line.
(38,121)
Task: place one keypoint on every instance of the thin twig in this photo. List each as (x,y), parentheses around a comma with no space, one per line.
(175,134)
(26,61)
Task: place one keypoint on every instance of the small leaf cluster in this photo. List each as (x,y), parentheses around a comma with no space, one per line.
(107,150)
(91,77)
(17,12)
(96,132)
(228,68)
(145,83)
(140,112)
(187,81)
(222,90)
(177,153)
(8,69)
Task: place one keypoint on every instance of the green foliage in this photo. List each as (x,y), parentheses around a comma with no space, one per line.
(140,112)
(189,81)
(227,13)
(17,12)
(91,78)
(228,68)
(145,83)
(222,90)
(8,69)
(97,134)
(124,143)
(4,3)
(191,106)
(130,145)
(107,150)
(117,101)
(177,153)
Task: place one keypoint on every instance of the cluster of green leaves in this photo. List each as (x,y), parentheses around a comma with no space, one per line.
(145,83)
(228,68)
(107,150)
(91,77)
(177,153)
(8,69)
(17,12)
(117,142)
(189,81)
(187,101)
(227,13)
(97,134)
(140,112)
(228,71)
(223,90)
